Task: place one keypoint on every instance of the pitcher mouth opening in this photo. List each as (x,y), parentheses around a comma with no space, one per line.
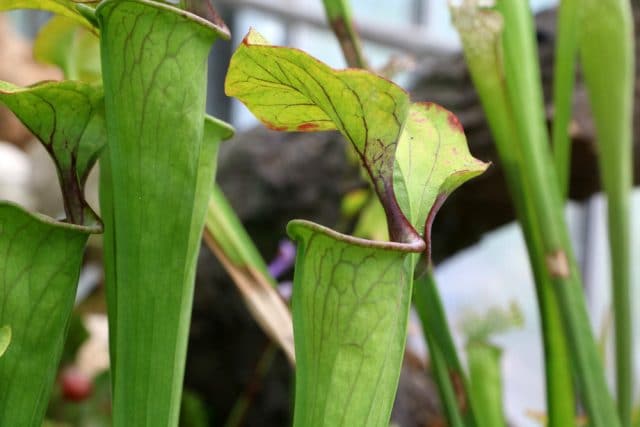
(212,21)
(294,227)
(93,225)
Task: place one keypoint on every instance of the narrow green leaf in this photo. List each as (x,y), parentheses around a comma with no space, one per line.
(564,75)
(5,338)
(65,43)
(215,131)
(503,67)
(61,7)
(40,262)
(68,118)
(607,53)
(289,90)
(226,229)
(229,241)
(157,187)
(451,379)
(522,75)
(481,32)
(350,309)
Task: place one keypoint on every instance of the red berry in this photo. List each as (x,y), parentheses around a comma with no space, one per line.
(76,386)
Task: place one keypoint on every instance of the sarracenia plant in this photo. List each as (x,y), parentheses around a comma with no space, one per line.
(499,45)
(156,178)
(451,379)
(40,258)
(351,296)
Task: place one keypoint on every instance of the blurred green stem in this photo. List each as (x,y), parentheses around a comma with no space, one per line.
(521,71)
(450,377)
(339,17)
(563,83)
(481,33)
(607,55)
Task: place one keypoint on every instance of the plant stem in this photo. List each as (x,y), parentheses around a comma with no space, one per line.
(450,377)
(482,45)
(619,227)
(563,83)
(561,410)
(242,405)
(72,195)
(608,63)
(525,95)
(339,16)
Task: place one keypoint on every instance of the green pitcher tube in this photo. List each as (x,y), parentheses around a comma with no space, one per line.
(40,261)
(350,306)
(154,73)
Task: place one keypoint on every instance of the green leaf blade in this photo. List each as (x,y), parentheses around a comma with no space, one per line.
(291,91)
(68,119)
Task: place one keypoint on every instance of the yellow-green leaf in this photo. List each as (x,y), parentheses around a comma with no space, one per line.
(289,90)
(65,43)
(68,118)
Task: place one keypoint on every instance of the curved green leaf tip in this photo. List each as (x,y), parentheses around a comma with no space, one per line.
(68,118)
(432,160)
(289,90)
(5,338)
